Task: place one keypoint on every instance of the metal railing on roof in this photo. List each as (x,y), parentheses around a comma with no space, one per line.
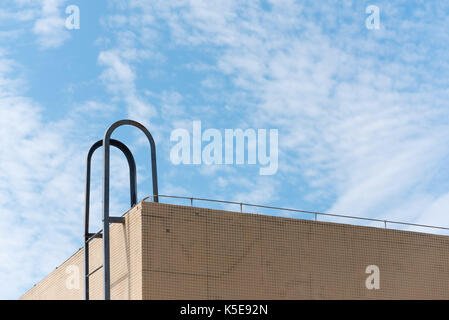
(315,214)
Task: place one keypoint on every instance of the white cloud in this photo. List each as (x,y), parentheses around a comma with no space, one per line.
(50,26)
(365,121)
(119,75)
(33,156)
(42,167)
(119,78)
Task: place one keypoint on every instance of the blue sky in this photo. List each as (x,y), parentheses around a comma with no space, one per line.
(362,115)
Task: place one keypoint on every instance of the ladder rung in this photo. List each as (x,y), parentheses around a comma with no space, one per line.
(96,269)
(116,220)
(92,236)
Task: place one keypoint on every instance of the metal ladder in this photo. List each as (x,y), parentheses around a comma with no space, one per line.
(104,233)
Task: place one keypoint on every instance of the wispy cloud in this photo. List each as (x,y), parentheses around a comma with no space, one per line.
(49,27)
(356,120)
(41,184)
(119,77)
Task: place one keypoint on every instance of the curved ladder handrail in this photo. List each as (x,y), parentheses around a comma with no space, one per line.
(133,199)
(106,174)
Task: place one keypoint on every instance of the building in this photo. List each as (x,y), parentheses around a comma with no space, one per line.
(168,251)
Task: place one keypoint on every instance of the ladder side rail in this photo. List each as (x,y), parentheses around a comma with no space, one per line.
(106,176)
(133,198)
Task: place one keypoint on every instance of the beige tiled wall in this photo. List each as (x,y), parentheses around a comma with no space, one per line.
(176,252)
(126,266)
(193,253)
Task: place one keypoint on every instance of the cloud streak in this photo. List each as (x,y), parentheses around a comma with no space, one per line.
(42,167)
(49,27)
(357,121)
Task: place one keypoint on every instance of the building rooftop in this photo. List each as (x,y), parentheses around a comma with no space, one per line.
(172,251)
